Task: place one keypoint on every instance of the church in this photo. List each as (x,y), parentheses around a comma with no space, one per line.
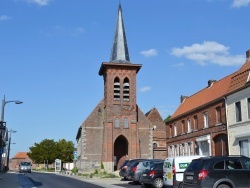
(117,129)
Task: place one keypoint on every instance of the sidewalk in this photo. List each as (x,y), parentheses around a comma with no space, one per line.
(9,180)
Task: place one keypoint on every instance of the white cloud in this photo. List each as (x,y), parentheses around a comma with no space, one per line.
(78,31)
(39,2)
(144,89)
(4,17)
(149,53)
(209,52)
(240,3)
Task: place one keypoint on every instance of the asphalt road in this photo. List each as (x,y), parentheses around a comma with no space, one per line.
(50,180)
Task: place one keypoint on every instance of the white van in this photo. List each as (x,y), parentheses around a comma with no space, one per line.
(173,169)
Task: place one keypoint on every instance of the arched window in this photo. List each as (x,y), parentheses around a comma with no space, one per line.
(126,89)
(117,123)
(125,123)
(117,89)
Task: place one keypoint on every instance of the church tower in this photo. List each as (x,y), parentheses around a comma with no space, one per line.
(116,129)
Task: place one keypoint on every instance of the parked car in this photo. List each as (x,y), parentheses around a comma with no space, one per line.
(25,167)
(218,172)
(173,169)
(124,167)
(153,175)
(137,167)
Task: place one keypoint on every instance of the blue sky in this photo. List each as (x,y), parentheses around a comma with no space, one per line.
(51,52)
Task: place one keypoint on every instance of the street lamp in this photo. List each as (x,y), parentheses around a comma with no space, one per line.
(3,127)
(8,156)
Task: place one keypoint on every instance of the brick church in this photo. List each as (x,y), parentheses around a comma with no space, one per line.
(117,129)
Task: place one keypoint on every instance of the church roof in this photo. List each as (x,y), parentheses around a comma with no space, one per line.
(119,53)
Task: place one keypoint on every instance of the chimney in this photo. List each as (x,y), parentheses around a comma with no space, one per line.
(248,55)
(211,82)
(183,98)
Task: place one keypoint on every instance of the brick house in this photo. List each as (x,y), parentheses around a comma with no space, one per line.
(199,126)
(117,129)
(238,111)
(19,157)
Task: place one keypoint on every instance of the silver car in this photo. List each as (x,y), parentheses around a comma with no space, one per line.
(25,167)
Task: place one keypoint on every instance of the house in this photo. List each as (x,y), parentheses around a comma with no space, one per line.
(19,157)
(199,126)
(238,111)
(117,129)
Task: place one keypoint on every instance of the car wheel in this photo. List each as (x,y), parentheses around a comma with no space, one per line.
(223,186)
(158,183)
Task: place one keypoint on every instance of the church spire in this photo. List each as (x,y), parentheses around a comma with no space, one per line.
(119,53)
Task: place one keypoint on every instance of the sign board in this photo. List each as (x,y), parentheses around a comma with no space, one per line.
(58,165)
(75,155)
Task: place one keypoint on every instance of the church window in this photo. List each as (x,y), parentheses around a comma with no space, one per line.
(117,122)
(117,89)
(126,89)
(125,123)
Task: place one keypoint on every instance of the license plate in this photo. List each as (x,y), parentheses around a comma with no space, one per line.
(144,174)
(169,175)
(189,177)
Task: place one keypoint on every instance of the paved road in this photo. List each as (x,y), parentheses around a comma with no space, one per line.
(48,180)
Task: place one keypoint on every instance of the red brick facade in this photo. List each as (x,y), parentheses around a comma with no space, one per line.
(117,129)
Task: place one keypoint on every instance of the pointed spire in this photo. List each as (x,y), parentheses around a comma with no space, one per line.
(119,53)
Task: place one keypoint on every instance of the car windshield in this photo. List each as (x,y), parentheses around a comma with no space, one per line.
(25,163)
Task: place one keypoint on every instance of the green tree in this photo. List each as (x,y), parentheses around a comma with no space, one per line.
(167,119)
(65,151)
(49,150)
(44,151)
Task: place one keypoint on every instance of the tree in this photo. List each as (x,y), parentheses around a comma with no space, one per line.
(44,151)
(65,150)
(167,119)
(49,150)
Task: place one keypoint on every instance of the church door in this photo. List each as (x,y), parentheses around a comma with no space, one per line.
(120,151)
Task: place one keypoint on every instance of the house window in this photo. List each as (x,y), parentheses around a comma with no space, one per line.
(183,126)
(125,123)
(218,115)
(205,120)
(244,147)
(204,148)
(238,111)
(117,123)
(175,129)
(176,150)
(190,148)
(248,107)
(117,89)
(189,125)
(170,130)
(126,89)
(195,123)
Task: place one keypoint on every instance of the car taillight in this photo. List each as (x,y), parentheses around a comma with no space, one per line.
(152,173)
(174,171)
(134,169)
(202,174)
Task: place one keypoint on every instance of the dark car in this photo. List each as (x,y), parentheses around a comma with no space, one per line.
(153,175)
(218,172)
(124,167)
(137,167)
(25,167)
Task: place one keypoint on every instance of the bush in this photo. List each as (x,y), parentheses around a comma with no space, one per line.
(102,166)
(74,170)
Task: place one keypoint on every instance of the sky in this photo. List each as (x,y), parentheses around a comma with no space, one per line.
(51,52)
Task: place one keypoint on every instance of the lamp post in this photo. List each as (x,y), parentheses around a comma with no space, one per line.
(2,130)
(8,156)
